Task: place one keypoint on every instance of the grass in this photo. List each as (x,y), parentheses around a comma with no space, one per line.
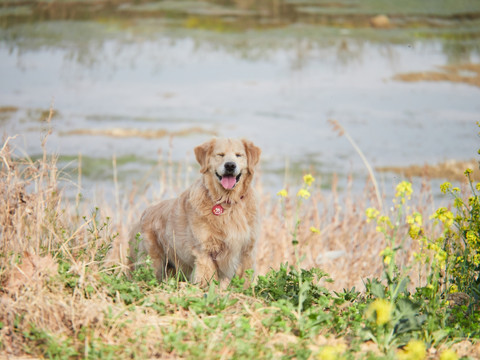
(404,286)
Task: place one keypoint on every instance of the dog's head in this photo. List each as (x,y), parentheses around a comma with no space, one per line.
(231,162)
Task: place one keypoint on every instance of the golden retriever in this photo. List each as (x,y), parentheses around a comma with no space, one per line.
(210,231)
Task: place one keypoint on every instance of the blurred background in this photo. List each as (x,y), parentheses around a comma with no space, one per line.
(143,82)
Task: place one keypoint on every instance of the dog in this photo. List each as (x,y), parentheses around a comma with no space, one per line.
(210,231)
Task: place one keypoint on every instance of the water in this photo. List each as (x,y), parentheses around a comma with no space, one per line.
(276,80)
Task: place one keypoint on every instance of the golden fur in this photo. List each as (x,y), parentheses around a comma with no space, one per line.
(183,234)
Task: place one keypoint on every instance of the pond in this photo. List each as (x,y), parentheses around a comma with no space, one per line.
(145,82)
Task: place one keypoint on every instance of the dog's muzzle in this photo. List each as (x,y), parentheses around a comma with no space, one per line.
(229,178)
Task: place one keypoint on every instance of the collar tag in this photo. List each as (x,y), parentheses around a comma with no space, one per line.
(217,210)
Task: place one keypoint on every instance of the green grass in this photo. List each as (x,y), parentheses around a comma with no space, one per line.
(65,292)
(245,323)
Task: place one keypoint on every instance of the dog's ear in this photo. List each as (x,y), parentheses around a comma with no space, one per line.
(202,152)
(253,155)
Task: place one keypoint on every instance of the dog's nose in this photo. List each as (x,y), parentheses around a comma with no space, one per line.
(230,167)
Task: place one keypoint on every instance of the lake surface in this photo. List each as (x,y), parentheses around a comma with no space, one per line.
(147,81)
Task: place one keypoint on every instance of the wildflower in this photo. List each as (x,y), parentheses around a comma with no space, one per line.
(473,201)
(448,355)
(382,309)
(387,255)
(371,213)
(387,260)
(472,238)
(420,257)
(304,193)
(418,218)
(478,186)
(445,187)
(444,215)
(283,193)
(308,179)
(468,172)
(458,203)
(415,222)
(404,190)
(414,350)
(414,231)
(330,352)
(314,230)
(476,260)
(453,289)
(441,257)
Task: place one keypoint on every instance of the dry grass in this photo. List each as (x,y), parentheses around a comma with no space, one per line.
(146,134)
(450,170)
(40,230)
(347,246)
(463,73)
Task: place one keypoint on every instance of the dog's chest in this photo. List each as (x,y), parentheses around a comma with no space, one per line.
(233,223)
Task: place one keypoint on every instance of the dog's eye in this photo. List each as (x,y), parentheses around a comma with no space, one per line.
(221,154)
(239,155)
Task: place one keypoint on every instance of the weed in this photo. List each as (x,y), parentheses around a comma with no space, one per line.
(78,303)
(284,284)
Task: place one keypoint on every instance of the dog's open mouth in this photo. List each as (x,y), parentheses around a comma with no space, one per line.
(229,181)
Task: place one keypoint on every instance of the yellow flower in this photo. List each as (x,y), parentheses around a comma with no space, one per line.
(468,172)
(445,187)
(308,179)
(478,186)
(415,221)
(472,238)
(444,215)
(458,203)
(283,193)
(382,309)
(387,260)
(330,352)
(314,230)
(414,350)
(441,257)
(304,193)
(453,289)
(418,218)
(448,355)
(385,220)
(414,231)
(387,255)
(371,213)
(476,260)
(473,200)
(404,190)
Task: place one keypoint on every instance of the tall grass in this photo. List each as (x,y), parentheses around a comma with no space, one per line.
(64,294)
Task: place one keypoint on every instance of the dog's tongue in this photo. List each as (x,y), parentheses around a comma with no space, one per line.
(228,182)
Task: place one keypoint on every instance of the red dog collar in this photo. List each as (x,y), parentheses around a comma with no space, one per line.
(217,210)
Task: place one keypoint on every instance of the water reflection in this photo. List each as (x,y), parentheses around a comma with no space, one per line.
(272,71)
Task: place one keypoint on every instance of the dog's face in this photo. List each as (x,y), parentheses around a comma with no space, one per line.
(229,160)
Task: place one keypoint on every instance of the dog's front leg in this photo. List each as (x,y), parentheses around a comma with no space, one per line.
(205,270)
(247,261)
